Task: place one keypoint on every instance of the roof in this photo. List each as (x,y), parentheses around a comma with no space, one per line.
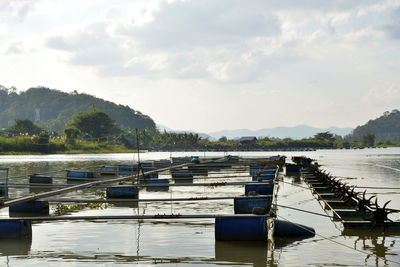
(247,138)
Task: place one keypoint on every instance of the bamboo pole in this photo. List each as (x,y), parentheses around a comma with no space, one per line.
(137,217)
(111,200)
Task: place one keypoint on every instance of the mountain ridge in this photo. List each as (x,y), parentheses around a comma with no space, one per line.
(295,132)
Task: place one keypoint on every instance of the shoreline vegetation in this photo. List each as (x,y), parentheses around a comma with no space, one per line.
(23,145)
(95,132)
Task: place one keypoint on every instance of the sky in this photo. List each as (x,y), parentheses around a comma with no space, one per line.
(208,65)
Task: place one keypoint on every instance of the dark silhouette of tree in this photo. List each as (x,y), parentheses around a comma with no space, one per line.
(95,124)
(24,126)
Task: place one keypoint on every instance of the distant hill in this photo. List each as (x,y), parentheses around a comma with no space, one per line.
(297,132)
(52,109)
(386,127)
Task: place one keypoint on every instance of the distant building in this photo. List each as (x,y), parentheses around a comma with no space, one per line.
(248,140)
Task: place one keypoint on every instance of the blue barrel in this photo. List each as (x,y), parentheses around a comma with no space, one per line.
(245,205)
(255,168)
(179,160)
(289,229)
(31,208)
(241,229)
(34,178)
(259,188)
(157,188)
(162,163)
(123,191)
(152,175)
(267,177)
(127,168)
(15,229)
(81,174)
(147,164)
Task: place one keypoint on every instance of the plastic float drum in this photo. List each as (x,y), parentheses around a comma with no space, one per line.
(260,189)
(245,205)
(81,174)
(34,178)
(250,228)
(15,229)
(126,191)
(31,208)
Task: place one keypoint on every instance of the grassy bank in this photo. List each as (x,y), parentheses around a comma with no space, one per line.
(23,145)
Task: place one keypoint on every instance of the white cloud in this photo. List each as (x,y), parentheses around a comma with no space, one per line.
(294,50)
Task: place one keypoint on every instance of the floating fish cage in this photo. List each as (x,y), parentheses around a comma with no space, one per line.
(252,217)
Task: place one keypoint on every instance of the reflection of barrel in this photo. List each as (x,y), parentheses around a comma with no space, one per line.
(108,170)
(15,229)
(12,247)
(245,205)
(250,228)
(259,188)
(255,252)
(122,191)
(34,178)
(182,176)
(2,189)
(198,170)
(30,208)
(157,188)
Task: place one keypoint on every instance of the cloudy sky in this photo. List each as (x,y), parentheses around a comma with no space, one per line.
(209,65)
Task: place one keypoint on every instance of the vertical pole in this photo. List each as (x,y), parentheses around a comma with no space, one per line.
(6,191)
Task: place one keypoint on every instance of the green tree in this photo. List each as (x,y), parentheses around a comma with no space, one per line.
(71,133)
(24,126)
(223,139)
(368,139)
(96,124)
(324,136)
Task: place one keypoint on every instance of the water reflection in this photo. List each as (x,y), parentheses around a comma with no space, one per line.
(11,247)
(255,253)
(379,243)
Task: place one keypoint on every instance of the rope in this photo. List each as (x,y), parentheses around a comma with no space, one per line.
(306,211)
(337,242)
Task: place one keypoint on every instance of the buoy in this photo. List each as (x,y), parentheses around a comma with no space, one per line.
(289,229)
(30,208)
(245,205)
(241,229)
(123,191)
(15,229)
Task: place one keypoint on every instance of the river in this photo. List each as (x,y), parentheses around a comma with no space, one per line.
(191,241)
